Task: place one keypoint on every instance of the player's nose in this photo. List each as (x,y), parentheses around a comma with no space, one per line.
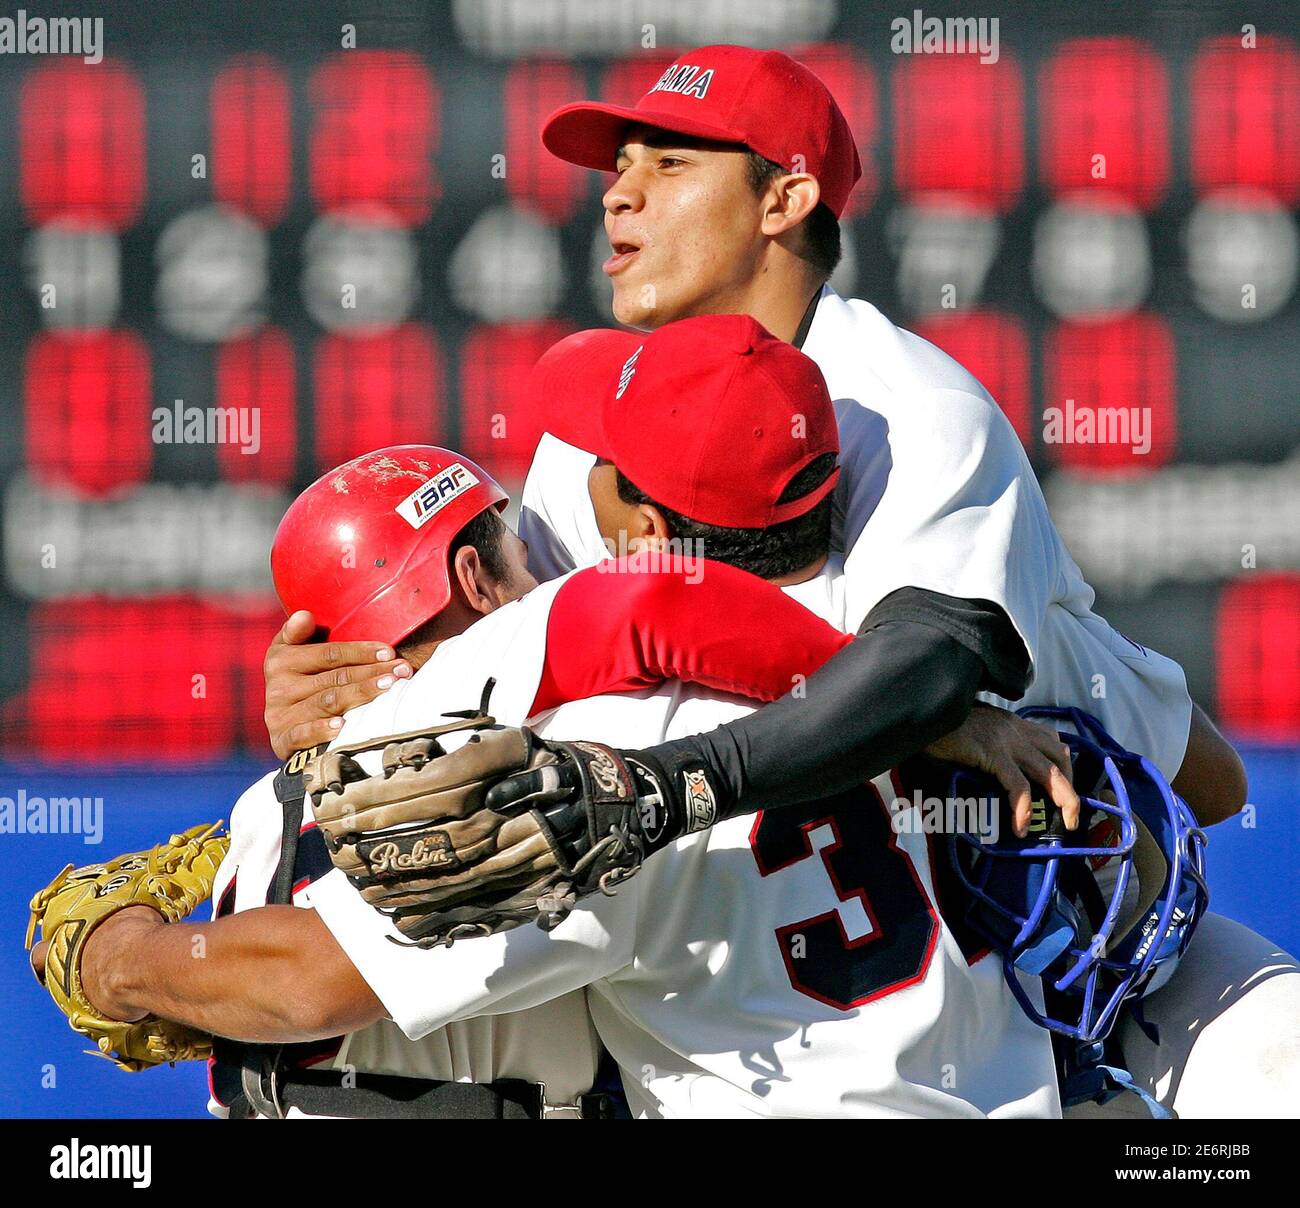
(626,195)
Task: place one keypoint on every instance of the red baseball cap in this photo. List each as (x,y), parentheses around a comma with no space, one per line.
(568,384)
(761,98)
(713,416)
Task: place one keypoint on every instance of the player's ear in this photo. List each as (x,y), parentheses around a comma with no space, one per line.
(651,526)
(791,198)
(471,577)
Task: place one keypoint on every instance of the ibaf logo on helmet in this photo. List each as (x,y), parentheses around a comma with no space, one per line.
(426,501)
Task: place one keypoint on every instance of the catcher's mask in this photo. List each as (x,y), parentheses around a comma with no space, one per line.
(1102,914)
(365,546)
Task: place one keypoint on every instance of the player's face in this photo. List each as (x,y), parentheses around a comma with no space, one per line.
(683,226)
(625,527)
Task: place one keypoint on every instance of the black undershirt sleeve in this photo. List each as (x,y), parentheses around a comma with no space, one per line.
(909,677)
(979,625)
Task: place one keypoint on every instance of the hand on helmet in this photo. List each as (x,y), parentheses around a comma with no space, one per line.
(1018,753)
(310,684)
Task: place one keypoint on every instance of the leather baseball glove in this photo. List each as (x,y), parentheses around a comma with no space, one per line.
(172,878)
(424,840)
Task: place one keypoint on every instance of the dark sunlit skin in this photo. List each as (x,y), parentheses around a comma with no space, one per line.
(689,236)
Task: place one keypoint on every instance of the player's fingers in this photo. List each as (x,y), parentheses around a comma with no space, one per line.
(1040,765)
(316,657)
(1064,795)
(38,960)
(298,723)
(1018,794)
(344,689)
(306,734)
(319,718)
(347,687)
(291,671)
(1047,741)
(299,627)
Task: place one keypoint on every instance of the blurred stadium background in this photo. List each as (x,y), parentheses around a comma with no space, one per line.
(1106,214)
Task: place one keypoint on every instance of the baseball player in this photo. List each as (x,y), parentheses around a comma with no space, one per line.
(730,173)
(443,510)
(1240,1063)
(704,1007)
(254,956)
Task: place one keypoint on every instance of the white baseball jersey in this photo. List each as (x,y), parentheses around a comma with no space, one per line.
(553,1043)
(935,492)
(790,964)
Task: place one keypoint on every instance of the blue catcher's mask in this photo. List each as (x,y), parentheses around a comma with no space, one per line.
(1100,919)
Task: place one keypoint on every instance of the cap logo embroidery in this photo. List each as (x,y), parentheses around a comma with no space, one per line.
(686,79)
(625,374)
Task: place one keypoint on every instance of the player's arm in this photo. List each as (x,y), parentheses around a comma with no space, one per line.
(611,629)
(272,975)
(908,679)
(427,988)
(1212,778)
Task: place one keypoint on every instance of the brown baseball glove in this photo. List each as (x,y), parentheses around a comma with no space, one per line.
(421,842)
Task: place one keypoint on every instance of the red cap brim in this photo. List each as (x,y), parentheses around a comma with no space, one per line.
(589,134)
(782,512)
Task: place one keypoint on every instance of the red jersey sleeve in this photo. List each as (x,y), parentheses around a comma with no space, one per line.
(613,628)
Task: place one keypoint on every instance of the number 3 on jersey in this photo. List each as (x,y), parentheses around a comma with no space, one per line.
(867,867)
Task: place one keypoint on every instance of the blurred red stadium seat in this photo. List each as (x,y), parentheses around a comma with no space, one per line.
(252,138)
(535,178)
(87,410)
(1258,656)
(82,143)
(1105,97)
(1245,116)
(1123,365)
(375,132)
(258,370)
(141,680)
(959,128)
(376,390)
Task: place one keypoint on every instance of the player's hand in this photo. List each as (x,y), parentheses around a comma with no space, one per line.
(1016,752)
(127,927)
(310,684)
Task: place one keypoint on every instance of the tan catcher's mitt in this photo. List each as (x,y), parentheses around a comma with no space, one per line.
(172,878)
(422,843)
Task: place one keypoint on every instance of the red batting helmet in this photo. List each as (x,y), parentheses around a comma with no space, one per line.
(365,546)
